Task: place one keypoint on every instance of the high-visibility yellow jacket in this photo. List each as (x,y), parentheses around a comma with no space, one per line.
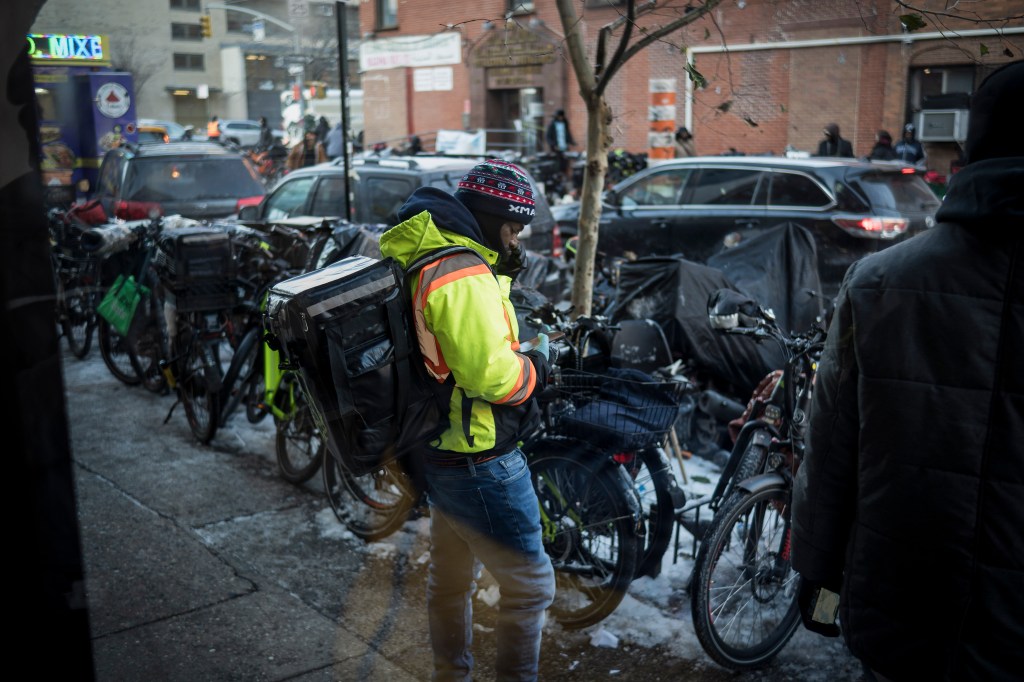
(468,335)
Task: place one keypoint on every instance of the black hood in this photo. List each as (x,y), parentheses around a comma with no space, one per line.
(985,194)
(447,212)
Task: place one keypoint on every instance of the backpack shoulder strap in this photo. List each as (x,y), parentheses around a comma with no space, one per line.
(436,254)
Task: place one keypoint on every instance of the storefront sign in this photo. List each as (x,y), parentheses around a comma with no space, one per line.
(53,48)
(437,78)
(441,49)
(518,47)
(515,77)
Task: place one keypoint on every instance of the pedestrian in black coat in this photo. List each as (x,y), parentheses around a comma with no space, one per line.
(834,144)
(910,501)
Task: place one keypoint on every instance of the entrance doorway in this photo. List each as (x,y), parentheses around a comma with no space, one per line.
(515,120)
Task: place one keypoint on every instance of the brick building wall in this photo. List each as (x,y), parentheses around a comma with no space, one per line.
(757,100)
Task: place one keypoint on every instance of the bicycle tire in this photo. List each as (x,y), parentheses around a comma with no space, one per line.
(589,520)
(146,343)
(744,604)
(752,461)
(116,354)
(198,379)
(77,316)
(240,369)
(299,446)
(372,506)
(255,392)
(653,482)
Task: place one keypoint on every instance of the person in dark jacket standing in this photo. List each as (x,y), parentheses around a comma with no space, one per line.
(910,501)
(882,151)
(908,149)
(833,144)
(483,505)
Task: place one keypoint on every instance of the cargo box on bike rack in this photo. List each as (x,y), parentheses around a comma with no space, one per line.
(197,268)
(347,328)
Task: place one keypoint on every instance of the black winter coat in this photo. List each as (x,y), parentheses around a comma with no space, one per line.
(913,490)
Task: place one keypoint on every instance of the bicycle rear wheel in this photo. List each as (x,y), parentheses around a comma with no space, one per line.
(372,506)
(198,378)
(240,373)
(589,520)
(299,446)
(745,589)
(116,353)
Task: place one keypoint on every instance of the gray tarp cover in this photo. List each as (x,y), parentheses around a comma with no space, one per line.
(775,268)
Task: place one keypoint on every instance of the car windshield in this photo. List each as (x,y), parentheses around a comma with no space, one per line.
(178,179)
(905,193)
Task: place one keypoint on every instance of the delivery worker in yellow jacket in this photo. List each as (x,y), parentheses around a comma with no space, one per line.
(483,506)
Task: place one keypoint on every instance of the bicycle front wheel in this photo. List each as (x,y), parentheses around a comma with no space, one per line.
(372,506)
(299,446)
(654,484)
(745,589)
(117,354)
(78,318)
(198,379)
(589,522)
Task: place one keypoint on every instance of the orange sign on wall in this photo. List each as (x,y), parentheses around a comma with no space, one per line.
(661,118)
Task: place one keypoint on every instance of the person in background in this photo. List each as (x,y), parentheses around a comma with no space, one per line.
(559,139)
(882,151)
(483,507)
(213,129)
(266,139)
(909,501)
(334,146)
(909,150)
(684,146)
(834,144)
(308,152)
(323,127)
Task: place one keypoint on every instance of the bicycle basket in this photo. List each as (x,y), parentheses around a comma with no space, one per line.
(623,409)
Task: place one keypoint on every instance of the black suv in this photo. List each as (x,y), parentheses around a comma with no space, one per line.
(699,206)
(200,180)
(380,188)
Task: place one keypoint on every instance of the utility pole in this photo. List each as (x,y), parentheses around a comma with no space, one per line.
(346,151)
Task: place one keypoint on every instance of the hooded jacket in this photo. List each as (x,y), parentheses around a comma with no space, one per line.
(466,327)
(912,493)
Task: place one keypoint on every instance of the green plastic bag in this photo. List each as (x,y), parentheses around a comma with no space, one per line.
(119,303)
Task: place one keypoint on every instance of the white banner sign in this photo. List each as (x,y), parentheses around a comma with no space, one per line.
(438,78)
(460,142)
(390,53)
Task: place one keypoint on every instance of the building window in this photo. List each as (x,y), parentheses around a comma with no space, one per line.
(186,32)
(520,6)
(238,24)
(185,4)
(186,61)
(387,14)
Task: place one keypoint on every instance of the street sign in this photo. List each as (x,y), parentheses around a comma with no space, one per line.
(295,69)
(203,91)
(298,9)
(259,30)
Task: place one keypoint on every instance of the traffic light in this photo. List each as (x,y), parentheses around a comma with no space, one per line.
(204,25)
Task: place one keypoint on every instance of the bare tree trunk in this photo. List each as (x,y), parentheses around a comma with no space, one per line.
(599,118)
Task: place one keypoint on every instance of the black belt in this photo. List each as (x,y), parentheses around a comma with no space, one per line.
(463,461)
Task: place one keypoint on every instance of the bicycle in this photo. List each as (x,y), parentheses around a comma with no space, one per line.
(744,589)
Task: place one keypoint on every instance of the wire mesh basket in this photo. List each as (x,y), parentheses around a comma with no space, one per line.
(622,409)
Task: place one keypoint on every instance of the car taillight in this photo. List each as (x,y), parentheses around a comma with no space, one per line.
(247,201)
(872,227)
(137,210)
(556,242)
(907,171)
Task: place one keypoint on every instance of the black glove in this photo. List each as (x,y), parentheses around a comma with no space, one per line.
(514,263)
(818,607)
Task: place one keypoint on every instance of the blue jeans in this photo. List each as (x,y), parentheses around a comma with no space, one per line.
(486,512)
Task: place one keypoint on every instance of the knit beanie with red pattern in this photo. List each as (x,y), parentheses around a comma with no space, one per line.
(500,189)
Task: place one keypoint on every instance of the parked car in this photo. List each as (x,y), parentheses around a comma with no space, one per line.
(153,134)
(175,131)
(380,189)
(200,180)
(244,133)
(699,206)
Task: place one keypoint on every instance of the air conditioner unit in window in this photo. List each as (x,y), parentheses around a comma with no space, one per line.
(942,125)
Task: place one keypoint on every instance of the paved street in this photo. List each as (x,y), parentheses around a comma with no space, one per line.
(203,564)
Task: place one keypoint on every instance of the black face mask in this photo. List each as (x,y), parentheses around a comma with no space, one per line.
(490,227)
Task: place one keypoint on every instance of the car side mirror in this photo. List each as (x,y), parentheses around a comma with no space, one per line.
(612,198)
(249,214)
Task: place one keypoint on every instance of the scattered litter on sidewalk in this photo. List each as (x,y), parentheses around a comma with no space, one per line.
(603,638)
(489,596)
